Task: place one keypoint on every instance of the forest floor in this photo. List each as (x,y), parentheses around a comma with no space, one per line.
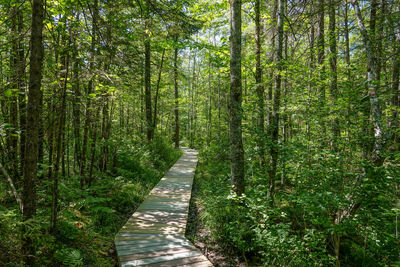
(200,235)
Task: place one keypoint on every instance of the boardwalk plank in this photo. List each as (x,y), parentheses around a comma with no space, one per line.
(155,254)
(154,234)
(187,260)
(162,259)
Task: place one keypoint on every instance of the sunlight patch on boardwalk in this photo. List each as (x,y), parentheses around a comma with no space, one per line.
(155,233)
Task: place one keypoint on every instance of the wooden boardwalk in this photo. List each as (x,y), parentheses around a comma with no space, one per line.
(155,234)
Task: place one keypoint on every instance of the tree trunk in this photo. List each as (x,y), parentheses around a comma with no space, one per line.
(147,76)
(76,99)
(176,110)
(259,87)
(21,88)
(396,89)
(88,115)
(59,139)
(333,79)
(209,115)
(272,58)
(157,91)
(106,120)
(33,121)
(321,59)
(274,126)
(94,129)
(235,103)
(12,116)
(376,111)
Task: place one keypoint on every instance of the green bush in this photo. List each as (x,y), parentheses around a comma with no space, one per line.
(298,229)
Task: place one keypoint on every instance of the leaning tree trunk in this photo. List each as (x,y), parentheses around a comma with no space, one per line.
(157,91)
(235,100)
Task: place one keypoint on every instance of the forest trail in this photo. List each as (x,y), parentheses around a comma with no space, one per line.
(155,233)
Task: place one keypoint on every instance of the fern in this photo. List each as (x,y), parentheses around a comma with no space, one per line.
(69,257)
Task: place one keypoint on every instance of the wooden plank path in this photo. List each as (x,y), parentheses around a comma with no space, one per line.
(155,234)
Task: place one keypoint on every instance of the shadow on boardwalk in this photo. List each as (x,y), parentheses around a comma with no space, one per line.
(155,233)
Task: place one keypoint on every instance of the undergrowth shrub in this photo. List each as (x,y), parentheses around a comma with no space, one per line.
(298,230)
(88,218)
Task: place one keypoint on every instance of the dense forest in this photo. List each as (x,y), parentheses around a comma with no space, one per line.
(293,105)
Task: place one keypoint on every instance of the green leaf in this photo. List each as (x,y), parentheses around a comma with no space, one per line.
(8,93)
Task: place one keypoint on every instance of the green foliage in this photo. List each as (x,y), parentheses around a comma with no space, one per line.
(69,257)
(88,219)
(298,230)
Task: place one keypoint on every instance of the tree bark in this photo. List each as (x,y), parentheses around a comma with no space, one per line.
(21,88)
(59,139)
(396,89)
(321,59)
(272,58)
(259,87)
(12,186)
(176,110)
(376,111)
(12,116)
(333,79)
(235,100)
(157,91)
(88,115)
(274,126)
(33,121)
(76,103)
(147,76)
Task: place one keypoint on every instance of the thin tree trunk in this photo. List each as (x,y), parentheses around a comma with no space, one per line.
(235,102)
(176,110)
(209,130)
(321,59)
(94,130)
(274,126)
(272,58)
(147,76)
(105,112)
(321,64)
(21,88)
(376,111)
(88,115)
(13,188)
(157,91)
(76,99)
(259,87)
(11,132)
(396,89)
(348,70)
(59,140)
(333,79)
(311,83)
